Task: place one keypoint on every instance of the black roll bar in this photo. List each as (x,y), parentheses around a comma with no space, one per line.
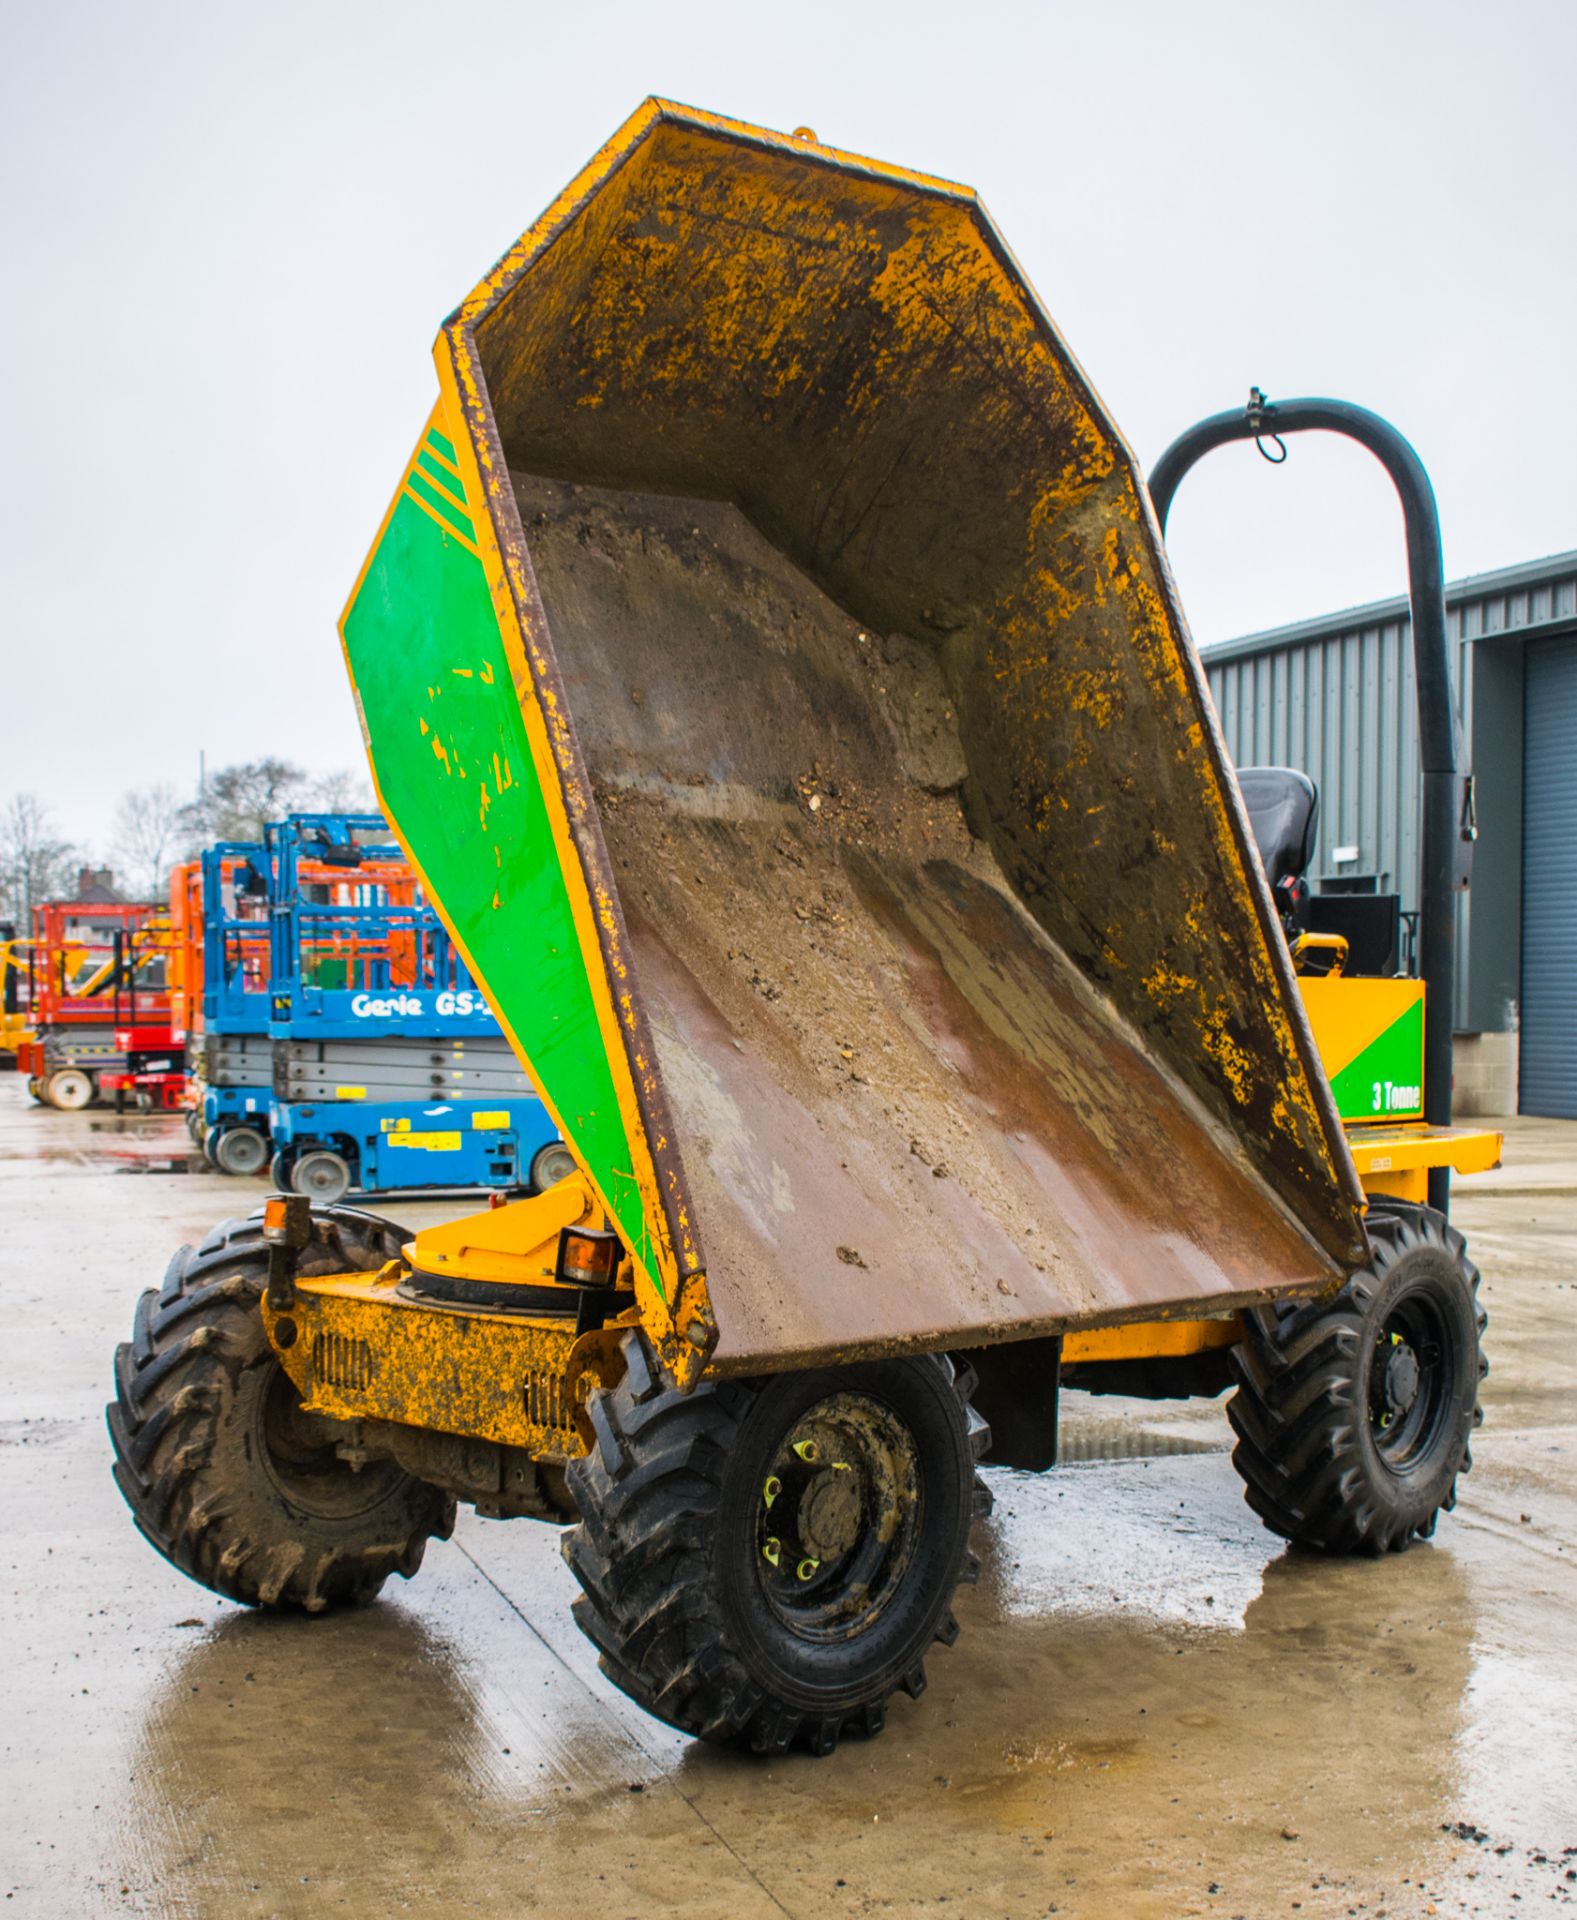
(1448,825)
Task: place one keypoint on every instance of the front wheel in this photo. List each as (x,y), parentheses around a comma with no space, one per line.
(225,1472)
(241,1150)
(1354,1415)
(769,1561)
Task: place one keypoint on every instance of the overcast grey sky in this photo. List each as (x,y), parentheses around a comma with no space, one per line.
(230,235)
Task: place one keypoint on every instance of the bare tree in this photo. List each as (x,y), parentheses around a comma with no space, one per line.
(148,825)
(238,801)
(342,791)
(35,863)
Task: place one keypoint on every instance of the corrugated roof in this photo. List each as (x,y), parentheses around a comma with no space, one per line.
(1549,586)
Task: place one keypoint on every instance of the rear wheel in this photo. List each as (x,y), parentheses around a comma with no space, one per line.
(322,1176)
(70,1089)
(1354,1415)
(241,1150)
(769,1561)
(279,1173)
(225,1472)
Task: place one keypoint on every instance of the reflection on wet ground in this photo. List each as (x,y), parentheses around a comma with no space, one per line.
(1154,1709)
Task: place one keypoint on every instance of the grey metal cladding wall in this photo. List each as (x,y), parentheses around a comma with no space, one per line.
(1340,705)
(1549,901)
(1335,697)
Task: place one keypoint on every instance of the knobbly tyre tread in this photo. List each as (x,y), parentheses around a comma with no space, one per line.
(1296,1411)
(193,1341)
(646,1493)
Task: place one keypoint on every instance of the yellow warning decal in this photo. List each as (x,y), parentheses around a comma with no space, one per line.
(350,1093)
(395,1126)
(430,1142)
(489,1122)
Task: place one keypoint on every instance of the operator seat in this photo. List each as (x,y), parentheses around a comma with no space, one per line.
(1283,809)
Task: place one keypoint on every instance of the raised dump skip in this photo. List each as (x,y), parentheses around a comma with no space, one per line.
(769,662)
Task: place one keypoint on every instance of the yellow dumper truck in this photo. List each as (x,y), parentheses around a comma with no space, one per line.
(769,663)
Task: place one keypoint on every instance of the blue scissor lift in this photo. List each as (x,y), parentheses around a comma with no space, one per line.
(236,1065)
(390,1071)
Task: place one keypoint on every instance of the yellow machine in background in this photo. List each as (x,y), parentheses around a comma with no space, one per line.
(16,1022)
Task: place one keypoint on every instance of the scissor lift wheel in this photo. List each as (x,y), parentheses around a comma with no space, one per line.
(70,1089)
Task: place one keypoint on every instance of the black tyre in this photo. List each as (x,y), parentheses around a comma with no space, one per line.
(279,1172)
(1354,1415)
(241,1150)
(768,1561)
(225,1474)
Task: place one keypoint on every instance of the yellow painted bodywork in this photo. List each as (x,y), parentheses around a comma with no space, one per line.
(513,1245)
(1347,1014)
(360,1351)
(1396,1160)
(1334,944)
(1150,1340)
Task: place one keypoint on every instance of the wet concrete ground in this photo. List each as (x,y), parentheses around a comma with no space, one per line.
(1154,1710)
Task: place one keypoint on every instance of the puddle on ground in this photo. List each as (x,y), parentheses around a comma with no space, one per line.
(1084,1442)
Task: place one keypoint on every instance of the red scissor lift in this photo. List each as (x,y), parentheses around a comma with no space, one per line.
(99,993)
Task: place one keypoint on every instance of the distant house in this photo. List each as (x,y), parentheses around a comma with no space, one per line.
(95,888)
(97,885)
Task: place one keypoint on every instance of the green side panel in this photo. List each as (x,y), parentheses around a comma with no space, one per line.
(449,748)
(1386,1080)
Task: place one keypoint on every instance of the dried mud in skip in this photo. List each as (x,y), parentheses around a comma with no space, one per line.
(900,1106)
(1154,1709)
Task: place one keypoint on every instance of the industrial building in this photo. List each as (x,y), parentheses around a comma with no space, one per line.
(1334,696)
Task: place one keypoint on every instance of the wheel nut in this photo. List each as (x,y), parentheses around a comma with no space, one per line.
(806,1568)
(772,1489)
(772,1552)
(807,1450)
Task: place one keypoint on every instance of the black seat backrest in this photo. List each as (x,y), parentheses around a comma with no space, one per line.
(1283,809)
(1370,923)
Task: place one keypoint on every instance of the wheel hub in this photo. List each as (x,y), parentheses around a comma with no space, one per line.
(838,1517)
(1409,1381)
(829,1514)
(300,1453)
(1402,1375)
